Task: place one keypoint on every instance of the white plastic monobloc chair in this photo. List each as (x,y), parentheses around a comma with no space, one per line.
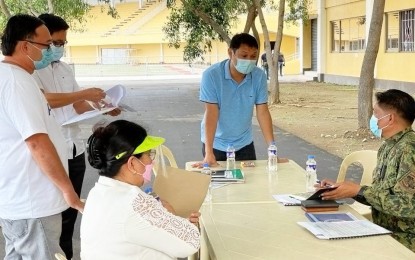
(163,153)
(169,155)
(367,159)
(59,256)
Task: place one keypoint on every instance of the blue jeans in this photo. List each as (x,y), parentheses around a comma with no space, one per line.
(36,238)
(246,153)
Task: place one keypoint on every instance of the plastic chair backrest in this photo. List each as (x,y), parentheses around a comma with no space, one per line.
(59,256)
(367,158)
(169,155)
(163,153)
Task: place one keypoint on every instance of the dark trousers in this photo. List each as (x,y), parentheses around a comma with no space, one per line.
(246,153)
(77,169)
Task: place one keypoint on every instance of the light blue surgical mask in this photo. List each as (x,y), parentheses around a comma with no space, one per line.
(245,66)
(373,123)
(57,52)
(46,59)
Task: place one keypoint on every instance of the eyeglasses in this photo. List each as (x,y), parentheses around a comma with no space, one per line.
(59,43)
(41,44)
(151,154)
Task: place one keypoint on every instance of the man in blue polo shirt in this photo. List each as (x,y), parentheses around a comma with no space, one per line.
(230,90)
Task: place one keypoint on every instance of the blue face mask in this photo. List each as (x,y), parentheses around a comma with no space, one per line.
(373,123)
(245,66)
(47,56)
(57,52)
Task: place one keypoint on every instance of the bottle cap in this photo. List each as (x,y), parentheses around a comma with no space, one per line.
(148,190)
(205,165)
(310,157)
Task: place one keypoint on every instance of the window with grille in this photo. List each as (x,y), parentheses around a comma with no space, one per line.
(400,31)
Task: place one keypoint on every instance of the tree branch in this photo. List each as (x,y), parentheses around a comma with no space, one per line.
(5,9)
(206,18)
(50,6)
(251,16)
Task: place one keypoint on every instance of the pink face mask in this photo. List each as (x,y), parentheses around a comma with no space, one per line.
(147,173)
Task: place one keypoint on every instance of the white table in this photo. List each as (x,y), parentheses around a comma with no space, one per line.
(243,221)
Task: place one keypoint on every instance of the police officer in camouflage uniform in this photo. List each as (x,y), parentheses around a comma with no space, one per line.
(392,193)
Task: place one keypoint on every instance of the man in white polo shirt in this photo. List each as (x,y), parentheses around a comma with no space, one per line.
(34,185)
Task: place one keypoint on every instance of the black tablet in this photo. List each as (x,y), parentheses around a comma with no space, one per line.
(317,194)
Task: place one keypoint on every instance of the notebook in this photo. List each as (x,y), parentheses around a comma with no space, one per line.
(228,176)
(319,205)
(344,229)
(311,195)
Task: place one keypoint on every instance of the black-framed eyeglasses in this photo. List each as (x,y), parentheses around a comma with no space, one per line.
(59,43)
(41,44)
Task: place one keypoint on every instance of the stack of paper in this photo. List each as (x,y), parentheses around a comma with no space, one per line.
(112,99)
(344,229)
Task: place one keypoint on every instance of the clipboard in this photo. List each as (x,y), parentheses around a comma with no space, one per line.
(184,190)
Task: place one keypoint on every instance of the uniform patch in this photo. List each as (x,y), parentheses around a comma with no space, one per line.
(408,183)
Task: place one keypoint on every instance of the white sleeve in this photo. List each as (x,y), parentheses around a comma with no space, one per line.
(154,227)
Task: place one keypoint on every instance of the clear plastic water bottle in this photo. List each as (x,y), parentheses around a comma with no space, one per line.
(206,170)
(311,173)
(272,158)
(149,191)
(230,158)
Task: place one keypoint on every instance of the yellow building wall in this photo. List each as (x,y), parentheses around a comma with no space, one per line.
(83,54)
(390,65)
(344,63)
(395,65)
(147,43)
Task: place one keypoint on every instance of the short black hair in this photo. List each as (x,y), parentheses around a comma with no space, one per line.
(395,99)
(54,23)
(243,38)
(106,143)
(18,28)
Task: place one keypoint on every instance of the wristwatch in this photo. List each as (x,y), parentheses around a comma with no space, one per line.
(359,196)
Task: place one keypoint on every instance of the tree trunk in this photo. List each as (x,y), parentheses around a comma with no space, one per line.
(5,9)
(275,86)
(367,81)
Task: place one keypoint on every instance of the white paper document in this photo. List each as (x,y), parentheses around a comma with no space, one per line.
(344,229)
(287,200)
(113,99)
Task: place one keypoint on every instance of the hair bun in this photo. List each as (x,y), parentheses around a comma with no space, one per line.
(95,158)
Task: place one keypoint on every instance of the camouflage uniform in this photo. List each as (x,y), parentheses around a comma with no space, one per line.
(392,192)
